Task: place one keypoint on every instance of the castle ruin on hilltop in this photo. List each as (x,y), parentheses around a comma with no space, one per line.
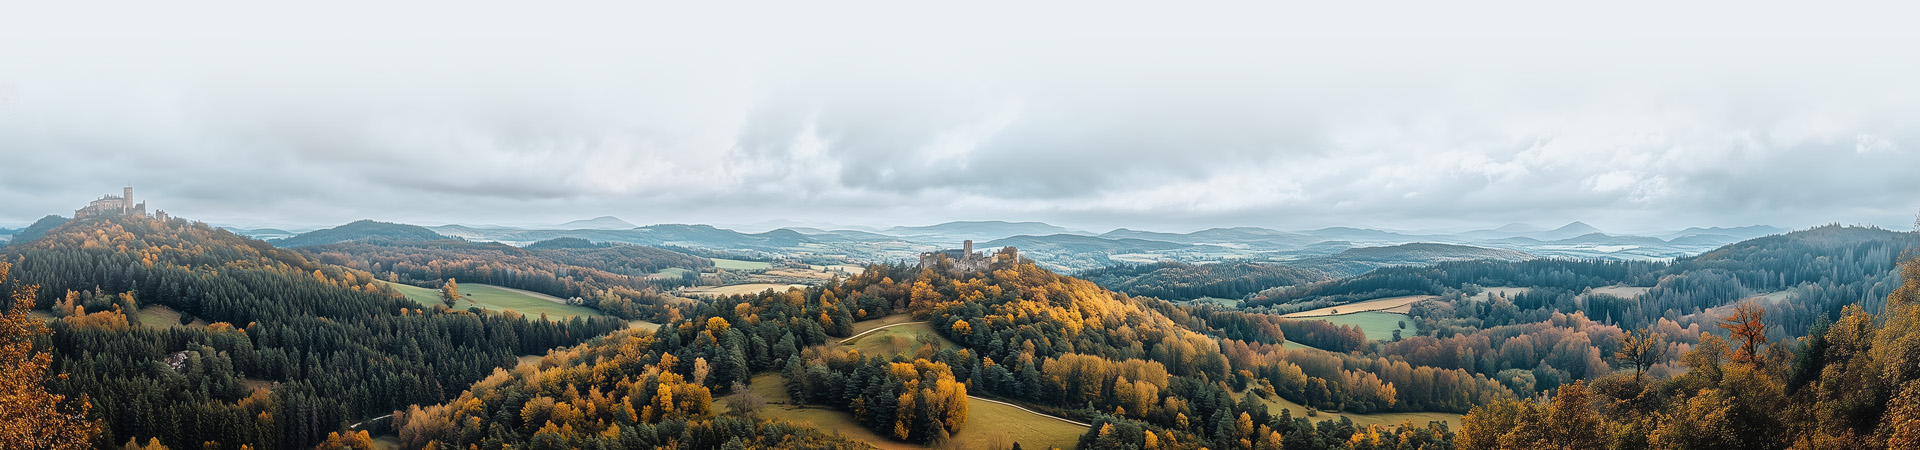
(111,205)
(966,260)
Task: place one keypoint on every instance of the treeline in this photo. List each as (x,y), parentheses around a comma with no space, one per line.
(611,278)
(1851,384)
(1181,281)
(1442,277)
(918,401)
(1805,275)
(296,349)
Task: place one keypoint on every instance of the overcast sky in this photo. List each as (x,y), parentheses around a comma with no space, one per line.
(1426,115)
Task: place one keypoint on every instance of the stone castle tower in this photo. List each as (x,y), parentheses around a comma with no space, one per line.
(109,205)
(966,260)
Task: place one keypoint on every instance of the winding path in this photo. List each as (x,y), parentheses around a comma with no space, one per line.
(864,333)
(1037,413)
(364,422)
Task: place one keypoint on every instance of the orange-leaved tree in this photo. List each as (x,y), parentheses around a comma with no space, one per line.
(31,417)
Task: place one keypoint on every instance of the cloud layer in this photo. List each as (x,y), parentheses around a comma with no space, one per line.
(1098,116)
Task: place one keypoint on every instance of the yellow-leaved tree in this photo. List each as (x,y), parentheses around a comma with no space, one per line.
(31,417)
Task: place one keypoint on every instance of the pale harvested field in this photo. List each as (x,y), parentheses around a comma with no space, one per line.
(850,269)
(1401,305)
(1620,291)
(738,289)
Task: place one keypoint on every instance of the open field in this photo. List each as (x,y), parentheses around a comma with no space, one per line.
(1225,302)
(738,289)
(902,340)
(1390,304)
(849,269)
(670,273)
(1378,325)
(798,273)
(497,298)
(984,421)
(1627,292)
(734,264)
(1274,405)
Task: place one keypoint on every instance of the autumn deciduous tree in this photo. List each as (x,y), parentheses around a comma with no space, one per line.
(450,292)
(1748,332)
(1640,350)
(31,417)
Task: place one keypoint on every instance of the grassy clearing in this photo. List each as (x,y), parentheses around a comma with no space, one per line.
(1487,294)
(1390,304)
(1298,346)
(903,340)
(670,273)
(1378,325)
(1417,418)
(738,289)
(498,298)
(984,421)
(735,264)
(159,316)
(1225,302)
(864,325)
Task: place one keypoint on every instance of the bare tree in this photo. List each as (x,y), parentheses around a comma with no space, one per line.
(744,401)
(999,441)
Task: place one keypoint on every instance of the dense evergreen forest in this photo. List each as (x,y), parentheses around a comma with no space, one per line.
(1181,281)
(611,278)
(293,349)
(1853,383)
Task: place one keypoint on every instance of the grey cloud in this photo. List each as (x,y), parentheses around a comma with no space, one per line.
(1090,118)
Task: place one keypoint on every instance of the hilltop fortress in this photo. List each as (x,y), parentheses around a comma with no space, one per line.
(111,205)
(966,260)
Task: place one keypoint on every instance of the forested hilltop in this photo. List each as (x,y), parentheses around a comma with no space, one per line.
(1134,367)
(270,349)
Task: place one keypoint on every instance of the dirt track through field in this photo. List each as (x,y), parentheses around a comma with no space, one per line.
(864,333)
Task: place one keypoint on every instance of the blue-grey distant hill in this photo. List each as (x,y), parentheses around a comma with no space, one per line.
(598,223)
(982,230)
(36,230)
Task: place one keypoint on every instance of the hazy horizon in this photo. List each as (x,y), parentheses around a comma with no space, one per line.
(1433,117)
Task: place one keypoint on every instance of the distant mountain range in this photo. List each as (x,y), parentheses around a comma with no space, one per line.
(1336,250)
(598,223)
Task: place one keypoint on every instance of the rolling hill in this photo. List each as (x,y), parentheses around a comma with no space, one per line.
(361,231)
